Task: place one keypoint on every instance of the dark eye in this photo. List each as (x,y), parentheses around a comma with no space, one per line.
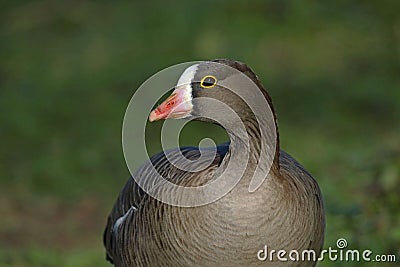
(208,81)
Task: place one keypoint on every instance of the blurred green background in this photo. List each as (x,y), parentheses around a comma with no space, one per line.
(69,68)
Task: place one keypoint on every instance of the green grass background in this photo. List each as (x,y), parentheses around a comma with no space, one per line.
(69,68)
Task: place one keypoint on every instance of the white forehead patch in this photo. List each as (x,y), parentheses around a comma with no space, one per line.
(188,75)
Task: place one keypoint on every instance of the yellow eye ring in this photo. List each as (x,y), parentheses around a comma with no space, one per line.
(208,81)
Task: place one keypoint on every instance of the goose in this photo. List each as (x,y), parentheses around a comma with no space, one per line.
(242,226)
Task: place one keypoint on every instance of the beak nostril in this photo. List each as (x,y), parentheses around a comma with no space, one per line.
(175,106)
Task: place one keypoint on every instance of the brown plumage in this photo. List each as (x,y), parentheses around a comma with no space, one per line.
(285,212)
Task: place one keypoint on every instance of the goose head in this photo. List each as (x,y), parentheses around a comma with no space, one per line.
(211,88)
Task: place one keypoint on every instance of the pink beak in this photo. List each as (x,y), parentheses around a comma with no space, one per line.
(176,106)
